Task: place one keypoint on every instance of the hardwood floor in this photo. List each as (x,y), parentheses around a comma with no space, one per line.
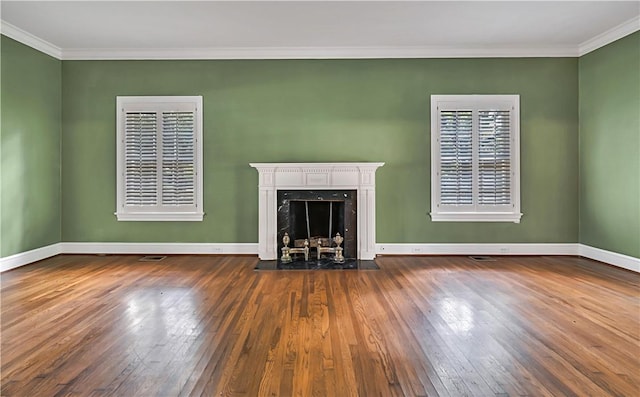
(420,326)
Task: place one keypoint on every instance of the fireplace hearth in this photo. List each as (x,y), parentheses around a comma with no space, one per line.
(322,264)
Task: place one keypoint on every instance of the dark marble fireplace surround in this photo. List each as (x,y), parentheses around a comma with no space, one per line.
(291,216)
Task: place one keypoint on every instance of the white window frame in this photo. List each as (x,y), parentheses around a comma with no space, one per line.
(476,212)
(158,212)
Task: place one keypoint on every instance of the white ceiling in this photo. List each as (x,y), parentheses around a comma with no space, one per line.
(316,29)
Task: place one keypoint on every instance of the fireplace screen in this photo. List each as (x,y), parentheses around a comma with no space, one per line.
(317,216)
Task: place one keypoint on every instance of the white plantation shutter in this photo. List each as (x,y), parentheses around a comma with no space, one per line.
(178,158)
(494,157)
(141,151)
(159,158)
(475,158)
(456,157)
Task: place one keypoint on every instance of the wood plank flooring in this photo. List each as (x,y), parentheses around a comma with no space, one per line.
(76,325)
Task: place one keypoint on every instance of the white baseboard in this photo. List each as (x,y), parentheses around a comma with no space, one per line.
(477,249)
(24,258)
(612,258)
(159,248)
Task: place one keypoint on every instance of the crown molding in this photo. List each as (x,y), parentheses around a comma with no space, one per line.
(48,48)
(30,40)
(611,35)
(315,53)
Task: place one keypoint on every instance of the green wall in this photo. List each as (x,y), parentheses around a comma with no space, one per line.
(316,111)
(322,110)
(30,122)
(610,147)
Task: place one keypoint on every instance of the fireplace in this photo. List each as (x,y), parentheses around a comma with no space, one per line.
(317,184)
(318,215)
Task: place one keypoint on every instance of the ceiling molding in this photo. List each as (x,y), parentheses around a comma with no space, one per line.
(315,53)
(611,35)
(32,41)
(46,47)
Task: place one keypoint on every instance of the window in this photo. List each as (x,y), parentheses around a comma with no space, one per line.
(475,158)
(159,158)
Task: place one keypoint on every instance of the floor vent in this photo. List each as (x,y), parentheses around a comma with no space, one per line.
(479,258)
(152,258)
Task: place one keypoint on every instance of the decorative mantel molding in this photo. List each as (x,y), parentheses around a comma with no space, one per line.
(316,176)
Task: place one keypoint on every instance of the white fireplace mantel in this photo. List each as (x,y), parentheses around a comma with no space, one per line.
(316,176)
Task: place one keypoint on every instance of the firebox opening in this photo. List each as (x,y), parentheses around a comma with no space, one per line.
(318,216)
(316,219)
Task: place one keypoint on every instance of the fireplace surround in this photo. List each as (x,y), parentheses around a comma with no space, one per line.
(274,177)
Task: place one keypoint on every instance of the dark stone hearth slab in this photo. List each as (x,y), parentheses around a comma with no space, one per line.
(322,264)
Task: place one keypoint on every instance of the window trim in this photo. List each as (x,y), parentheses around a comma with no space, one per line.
(138,213)
(475,212)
